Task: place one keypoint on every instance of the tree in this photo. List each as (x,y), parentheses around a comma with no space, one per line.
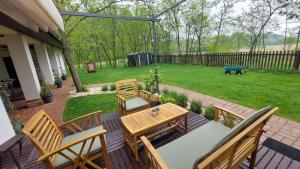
(224,8)
(259,16)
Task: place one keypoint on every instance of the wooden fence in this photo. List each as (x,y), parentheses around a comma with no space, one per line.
(278,60)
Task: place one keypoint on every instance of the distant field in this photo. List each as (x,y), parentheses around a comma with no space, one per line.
(255,89)
(273,48)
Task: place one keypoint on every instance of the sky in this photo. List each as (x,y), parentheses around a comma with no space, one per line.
(244,6)
(238,9)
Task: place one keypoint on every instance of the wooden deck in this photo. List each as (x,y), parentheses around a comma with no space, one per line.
(122,158)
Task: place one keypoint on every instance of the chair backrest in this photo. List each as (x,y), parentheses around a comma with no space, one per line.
(127,88)
(238,144)
(43,133)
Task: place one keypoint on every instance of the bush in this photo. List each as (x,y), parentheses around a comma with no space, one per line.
(165,91)
(85,89)
(181,100)
(45,90)
(113,87)
(173,94)
(140,87)
(166,99)
(150,82)
(209,112)
(58,82)
(104,88)
(196,107)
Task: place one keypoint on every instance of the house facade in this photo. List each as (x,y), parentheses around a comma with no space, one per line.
(30,52)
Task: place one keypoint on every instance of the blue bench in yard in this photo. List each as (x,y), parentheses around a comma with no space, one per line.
(236,69)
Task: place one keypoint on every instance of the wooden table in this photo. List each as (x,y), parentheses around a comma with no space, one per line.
(141,123)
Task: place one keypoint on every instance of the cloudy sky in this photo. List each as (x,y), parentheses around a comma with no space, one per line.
(238,9)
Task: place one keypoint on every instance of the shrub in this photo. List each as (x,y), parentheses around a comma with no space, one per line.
(196,107)
(140,87)
(113,87)
(165,91)
(104,88)
(85,89)
(173,94)
(45,90)
(209,112)
(58,82)
(181,100)
(166,99)
(150,82)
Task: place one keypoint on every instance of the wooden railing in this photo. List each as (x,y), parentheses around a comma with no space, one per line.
(277,60)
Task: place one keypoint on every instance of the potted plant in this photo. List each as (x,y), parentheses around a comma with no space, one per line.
(58,82)
(17,126)
(46,93)
(64,76)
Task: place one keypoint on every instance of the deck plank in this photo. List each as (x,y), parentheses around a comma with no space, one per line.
(122,158)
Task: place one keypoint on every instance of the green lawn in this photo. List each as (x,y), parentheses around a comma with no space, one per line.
(255,89)
(81,105)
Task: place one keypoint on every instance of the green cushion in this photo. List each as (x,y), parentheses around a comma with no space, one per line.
(184,151)
(234,131)
(135,103)
(61,162)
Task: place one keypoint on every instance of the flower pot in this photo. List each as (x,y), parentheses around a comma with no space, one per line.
(17,126)
(64,77)
(59,85)
(47,98)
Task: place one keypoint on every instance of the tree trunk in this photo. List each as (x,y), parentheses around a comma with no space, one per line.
(297,43)
(67,56)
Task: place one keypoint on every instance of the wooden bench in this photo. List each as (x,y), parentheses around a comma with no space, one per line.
(236,69)
(213,145)
(130,99)
(79,149)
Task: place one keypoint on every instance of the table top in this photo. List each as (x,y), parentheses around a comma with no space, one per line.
(142,121)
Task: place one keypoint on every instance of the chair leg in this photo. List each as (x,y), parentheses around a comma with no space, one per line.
(253,159)
(105,153)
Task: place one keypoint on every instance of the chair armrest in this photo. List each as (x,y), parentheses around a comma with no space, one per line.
(152,155)
(67,147)
(121,98)
(145,95)
(230,118)
(88,119)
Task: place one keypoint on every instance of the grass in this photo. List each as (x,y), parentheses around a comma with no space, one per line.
(255,89)
(82,105)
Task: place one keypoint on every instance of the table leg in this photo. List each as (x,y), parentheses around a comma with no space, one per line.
(186,124)
(135,148)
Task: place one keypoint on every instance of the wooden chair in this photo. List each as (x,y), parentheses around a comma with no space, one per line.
(212,145)
(130,99)
(85,144)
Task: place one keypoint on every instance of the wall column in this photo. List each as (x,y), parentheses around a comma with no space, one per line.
(62,63)
(22,60)
(44,62)
(6,128)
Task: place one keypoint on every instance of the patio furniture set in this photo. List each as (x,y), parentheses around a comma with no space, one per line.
(222,143)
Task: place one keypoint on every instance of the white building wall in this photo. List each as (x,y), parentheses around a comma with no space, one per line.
(62,62)
(6,128)
(44,63)
(22,59)
(54,61)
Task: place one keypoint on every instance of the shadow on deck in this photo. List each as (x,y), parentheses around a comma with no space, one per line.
(121,156)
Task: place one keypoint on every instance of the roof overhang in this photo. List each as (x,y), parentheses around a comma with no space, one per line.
(10,26)
(34,14)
